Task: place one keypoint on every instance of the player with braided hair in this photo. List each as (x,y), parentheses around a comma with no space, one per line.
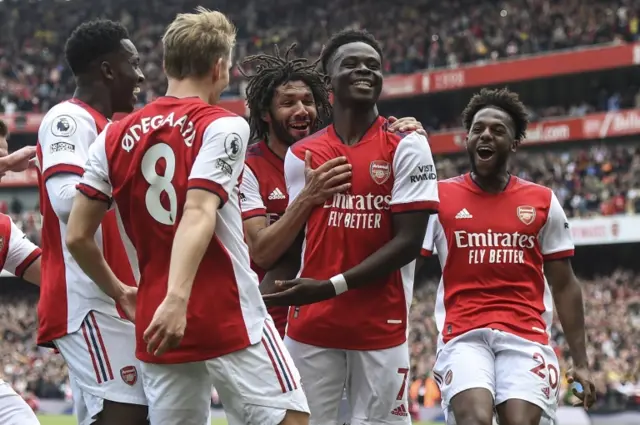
(288,100)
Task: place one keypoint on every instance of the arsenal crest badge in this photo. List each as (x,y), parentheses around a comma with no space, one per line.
(526,214)
(129,375)
(380,171)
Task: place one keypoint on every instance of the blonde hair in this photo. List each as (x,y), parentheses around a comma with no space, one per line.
(194,42)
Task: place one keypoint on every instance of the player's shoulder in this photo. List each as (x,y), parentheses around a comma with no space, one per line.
(457,181)
(256,153)
(64,120)
(316,142)
(220,120)
(406,137)
(532,191)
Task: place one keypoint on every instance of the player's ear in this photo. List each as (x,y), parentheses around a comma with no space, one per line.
(514,145)
(107,71)
(266,116)
(217,69)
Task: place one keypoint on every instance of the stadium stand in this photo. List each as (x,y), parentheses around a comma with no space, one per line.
(584,102)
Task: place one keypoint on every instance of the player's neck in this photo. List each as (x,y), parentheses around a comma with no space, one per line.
(351,123)
(492,184)
(278,147)
(188,88)
(95,96)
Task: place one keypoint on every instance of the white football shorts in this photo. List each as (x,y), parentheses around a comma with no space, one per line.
(102,364)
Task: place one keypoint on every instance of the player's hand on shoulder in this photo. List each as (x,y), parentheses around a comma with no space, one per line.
(166,329)
(298,292)
(322,183)
(406,125)
(586,391)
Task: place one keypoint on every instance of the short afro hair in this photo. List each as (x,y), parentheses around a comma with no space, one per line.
(4,129)
(345,37)
(503,99)
(92,40)
(272,71)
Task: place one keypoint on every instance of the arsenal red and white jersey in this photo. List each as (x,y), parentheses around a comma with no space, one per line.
(17,252)
(66,293)
(146,163)
(392,173)
(263,193)
(492,249)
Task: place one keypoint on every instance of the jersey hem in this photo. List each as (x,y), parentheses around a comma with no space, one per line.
(357,347)
(426,253)
(543,339)
(178,357)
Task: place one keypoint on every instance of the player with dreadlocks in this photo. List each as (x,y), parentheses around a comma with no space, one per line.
(497,238)
(289,100)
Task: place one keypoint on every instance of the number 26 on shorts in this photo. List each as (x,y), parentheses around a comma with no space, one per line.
(547,372)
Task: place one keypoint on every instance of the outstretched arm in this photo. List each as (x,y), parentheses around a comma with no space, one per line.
(414,197)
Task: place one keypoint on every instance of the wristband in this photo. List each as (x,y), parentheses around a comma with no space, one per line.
(339,284)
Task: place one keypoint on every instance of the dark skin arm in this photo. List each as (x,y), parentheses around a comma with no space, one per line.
(286,268)
(404,247)
(567,296)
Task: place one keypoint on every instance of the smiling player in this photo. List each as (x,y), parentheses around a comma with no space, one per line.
(358,248)
(501,242)
(74,314)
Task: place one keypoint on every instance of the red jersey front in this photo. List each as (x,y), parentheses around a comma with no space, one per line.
(492,249)
(146,163)
(67,294)
(263,193)
(392,173)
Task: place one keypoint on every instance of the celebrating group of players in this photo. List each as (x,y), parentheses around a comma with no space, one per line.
(158,228)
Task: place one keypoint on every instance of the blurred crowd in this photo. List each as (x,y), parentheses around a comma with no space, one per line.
(601,179)
(594,179)
(416,34)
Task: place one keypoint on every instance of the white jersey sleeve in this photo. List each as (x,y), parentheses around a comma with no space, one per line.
(555,236)
(293,175)
(431,237)
(220,161)
(415,185)
(251,202)
(95,182)
(21,252)
(64,136)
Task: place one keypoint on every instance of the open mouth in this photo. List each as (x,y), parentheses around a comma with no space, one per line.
(299,125)
(362,83)
(136,92)
(485,153)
